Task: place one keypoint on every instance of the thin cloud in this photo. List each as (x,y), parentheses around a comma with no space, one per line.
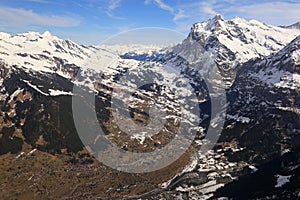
(113,4)
(179,15)
(275,13)
(185,14)
(207,8)
(147,2)
(189,13)
(163,5)
(111,7)
(21,17)
(39,1)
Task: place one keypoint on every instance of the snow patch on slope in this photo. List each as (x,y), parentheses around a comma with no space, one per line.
(59,93)
(35,88)
(282,180)
(278,78)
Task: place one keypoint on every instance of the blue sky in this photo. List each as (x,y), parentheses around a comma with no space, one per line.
(91,21)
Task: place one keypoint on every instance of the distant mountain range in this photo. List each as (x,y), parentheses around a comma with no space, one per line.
(293,26)
(256,156)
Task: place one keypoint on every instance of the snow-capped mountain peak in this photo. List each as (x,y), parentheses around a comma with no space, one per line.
(41,52)
(200,30)
(47,34)
(292,49)
(287,59)
(293,26)
(279,70)
(235,41)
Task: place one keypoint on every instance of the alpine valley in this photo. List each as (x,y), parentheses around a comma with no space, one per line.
(256,156)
